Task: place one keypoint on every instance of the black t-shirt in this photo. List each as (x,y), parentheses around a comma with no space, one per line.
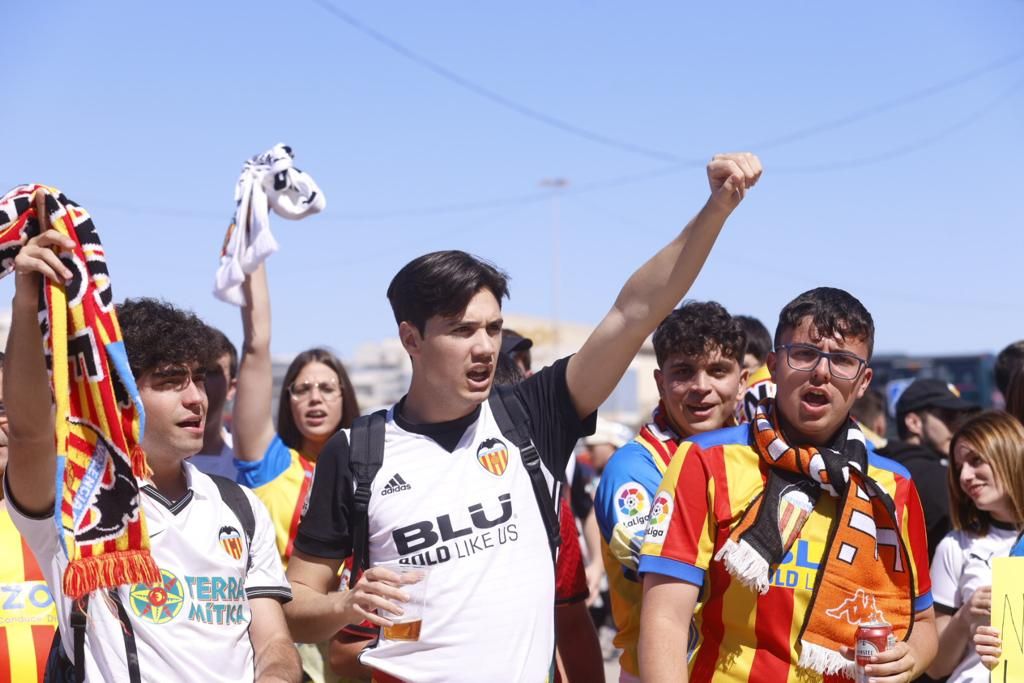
(325,530)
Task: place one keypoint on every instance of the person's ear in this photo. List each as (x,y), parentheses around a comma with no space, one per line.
(913,423)
(412,340)
(658,375)
(744,378)
(865,381)
(770,361)
(232,386)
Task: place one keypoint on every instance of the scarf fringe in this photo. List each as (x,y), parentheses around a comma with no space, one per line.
(745,564)
(109,570)
(825,661)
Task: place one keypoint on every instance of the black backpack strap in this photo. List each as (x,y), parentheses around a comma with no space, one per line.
(60,670)
(510,414)
(366,455)
(234,497)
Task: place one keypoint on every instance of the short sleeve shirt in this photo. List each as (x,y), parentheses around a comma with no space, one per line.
(962,565)
(456,497)
(741,636)
(202,602)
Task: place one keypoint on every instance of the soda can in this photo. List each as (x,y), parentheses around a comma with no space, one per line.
(872,638)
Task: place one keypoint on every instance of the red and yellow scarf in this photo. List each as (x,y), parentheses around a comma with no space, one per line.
(866,571)
(99,416)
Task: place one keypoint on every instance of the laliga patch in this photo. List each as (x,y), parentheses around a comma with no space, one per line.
(632,506)
(661,515)
(492,455)
(231,541)
(160,602)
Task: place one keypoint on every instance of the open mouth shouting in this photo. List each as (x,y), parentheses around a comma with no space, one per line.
(815,401)
(479,377)
(315,417)
(193,425)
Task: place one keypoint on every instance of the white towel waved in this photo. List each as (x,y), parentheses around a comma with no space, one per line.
(268,181)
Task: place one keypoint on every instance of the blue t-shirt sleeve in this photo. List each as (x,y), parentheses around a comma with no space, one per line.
(623,501)
(268,468)
(1018,547)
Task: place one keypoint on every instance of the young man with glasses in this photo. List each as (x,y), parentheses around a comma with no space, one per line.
(927,414)
(789,530)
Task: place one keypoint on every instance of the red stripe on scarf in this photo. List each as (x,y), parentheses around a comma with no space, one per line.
(307,482)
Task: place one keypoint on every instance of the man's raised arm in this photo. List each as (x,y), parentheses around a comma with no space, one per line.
(657,287)
(31,451)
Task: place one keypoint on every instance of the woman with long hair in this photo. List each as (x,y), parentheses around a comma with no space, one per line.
(986,492)
(316,400)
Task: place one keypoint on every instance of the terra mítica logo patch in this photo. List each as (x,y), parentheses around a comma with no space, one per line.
(160,602)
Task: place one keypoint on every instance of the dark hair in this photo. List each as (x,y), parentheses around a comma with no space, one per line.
(1015,395)
(157,333)
(1009,361)
(222,345)
(442,283)
(286,427)
(870,406)
(696,329)
(832,311)
(507,371)
(759,339)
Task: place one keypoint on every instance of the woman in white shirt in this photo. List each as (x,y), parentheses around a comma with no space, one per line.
(986,490)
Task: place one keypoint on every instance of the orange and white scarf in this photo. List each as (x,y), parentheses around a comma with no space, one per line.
(866,573)
(99,416)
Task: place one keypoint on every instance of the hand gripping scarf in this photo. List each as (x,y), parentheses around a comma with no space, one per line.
(865,574)
(99,416)
(268,181)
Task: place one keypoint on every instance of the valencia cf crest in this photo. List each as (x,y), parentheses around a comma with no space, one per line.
(492,455)
(231,541)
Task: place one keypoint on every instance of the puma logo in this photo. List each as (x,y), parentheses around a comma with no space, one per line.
(856,610)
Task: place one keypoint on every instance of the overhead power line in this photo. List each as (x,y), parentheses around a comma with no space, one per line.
(642,150)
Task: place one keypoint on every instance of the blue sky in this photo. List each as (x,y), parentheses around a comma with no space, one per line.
(144,113)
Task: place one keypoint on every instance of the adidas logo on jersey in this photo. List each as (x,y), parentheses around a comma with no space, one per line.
(395,485)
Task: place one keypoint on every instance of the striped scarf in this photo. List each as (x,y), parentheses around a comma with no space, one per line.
(99,416)
(865,575)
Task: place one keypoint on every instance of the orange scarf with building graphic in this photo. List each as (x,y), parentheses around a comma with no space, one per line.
(865,575)
(99,416)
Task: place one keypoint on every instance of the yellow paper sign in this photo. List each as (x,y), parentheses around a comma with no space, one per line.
(1008,616)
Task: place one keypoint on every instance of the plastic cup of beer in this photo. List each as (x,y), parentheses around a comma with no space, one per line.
(407,625)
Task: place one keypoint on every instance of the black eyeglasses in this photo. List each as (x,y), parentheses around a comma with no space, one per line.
(841,364)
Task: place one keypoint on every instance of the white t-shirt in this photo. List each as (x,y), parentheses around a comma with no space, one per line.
(963,564)
(222,463)
(456,497)
(196,625)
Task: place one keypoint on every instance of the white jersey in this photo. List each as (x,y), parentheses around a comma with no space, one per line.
(466,510)
(963,564)
(195,625)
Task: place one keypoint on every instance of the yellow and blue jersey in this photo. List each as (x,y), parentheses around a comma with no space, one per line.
(622,505)
(281,479)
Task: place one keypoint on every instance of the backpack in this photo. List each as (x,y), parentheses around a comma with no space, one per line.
(60,669)
(366,455)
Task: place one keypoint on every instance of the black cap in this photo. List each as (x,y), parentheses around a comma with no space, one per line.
(512,342)
(931,393)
